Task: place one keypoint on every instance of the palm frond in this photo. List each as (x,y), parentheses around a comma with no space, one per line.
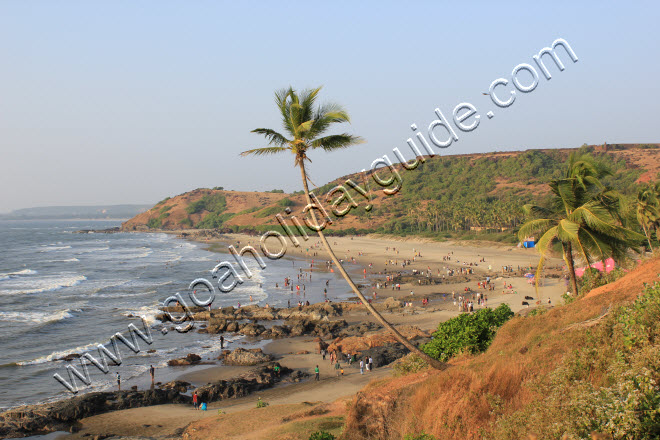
(274,138)
(534,227)
(336,141)
(264,151)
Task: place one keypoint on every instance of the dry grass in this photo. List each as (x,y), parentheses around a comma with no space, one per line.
(461,402)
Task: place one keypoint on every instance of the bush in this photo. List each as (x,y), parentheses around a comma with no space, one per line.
(210,202)
(155,223)
(610,384)
(411,363)
(213,220)
(261,403)
(186,222)
(321,435)
(469,332)
(593,278)
(422,436)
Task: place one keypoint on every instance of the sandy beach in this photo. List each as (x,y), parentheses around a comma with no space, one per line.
(373,258)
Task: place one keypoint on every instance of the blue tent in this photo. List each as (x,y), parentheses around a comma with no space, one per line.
(528,244)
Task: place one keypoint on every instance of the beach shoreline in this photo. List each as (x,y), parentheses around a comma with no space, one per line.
(369,260)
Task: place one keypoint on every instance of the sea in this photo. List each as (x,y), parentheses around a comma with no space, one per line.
(63,292)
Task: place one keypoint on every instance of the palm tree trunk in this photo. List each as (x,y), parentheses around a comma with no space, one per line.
(399,337)
(647,237)
(568,257)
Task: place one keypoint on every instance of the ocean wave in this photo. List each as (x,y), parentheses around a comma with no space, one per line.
(20,272)
(39,285)
(38,317)
(66,260)
(54,248)
(57,355)
(93,249)
(147,312)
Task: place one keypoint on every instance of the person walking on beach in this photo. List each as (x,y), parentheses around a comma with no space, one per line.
(323,352)
(194,396)
(152,372)
(361,367)
(222,342)
(371,364)
(337,368)
(118,381)
(316,372)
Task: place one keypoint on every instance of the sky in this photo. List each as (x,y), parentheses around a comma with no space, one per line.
(112,102)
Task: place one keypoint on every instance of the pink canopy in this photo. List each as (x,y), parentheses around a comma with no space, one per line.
(608,267)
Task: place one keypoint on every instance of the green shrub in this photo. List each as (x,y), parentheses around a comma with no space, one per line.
(411,363)
(610,384)
(321,435)
(422,436)
(155,223)
(213,220)
(286,202)
(186,222)
(261,403)
(268,212)
(468,332)
(210,202)
(219,188)
(593,278)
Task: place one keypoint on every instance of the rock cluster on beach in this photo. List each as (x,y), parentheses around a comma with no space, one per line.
(243,356)
(64,415)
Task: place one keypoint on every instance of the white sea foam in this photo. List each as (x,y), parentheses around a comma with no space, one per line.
(37,317)
(66,260)
(147,312)
(20,272)
(54,248)
(42,284)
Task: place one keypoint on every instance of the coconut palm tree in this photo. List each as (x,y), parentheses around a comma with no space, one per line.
(647,211)
(305,127)
(578,221)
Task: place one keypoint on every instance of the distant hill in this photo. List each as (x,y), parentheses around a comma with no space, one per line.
(445,195)
(77,212)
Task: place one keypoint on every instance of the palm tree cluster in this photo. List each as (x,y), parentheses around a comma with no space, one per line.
(585,220)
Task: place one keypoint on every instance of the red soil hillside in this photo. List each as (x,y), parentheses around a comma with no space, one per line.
(463,401)
(246,210)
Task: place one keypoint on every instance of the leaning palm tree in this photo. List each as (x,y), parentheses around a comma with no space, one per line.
(578,221)
(647,211)
(305,128)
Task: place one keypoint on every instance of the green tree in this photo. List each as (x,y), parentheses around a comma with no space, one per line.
(582,218)
(306,125)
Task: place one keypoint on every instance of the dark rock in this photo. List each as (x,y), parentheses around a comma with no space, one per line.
(385,354)
(252,329)
(191,359)
(60,416)
(176,385)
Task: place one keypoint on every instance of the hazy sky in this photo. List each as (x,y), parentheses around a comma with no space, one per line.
(130,102)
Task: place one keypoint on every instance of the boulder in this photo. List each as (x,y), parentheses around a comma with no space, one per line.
(252,329)
(391,303)
(176,385)
(190,359)
(242,356)
(232,327)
